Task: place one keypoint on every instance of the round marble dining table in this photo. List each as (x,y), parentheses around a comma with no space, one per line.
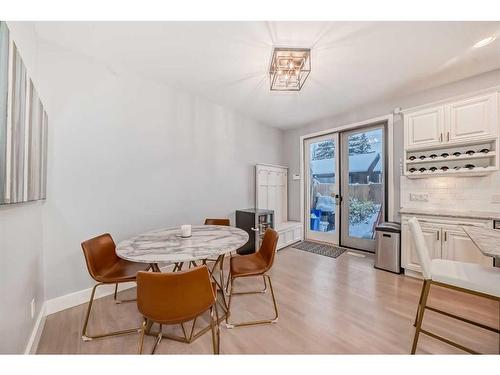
(167,245)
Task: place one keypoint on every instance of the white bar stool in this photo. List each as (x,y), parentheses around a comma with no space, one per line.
(465,277)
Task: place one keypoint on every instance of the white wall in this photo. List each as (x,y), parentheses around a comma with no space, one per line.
(292,137)
(21,267)
(128,156)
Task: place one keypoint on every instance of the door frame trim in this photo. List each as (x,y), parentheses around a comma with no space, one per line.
(390,159)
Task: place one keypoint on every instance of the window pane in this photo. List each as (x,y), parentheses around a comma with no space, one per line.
(322,186)
(366,194)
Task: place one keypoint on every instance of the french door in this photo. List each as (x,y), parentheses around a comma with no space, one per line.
(363,186)
(345,188)
(322,188)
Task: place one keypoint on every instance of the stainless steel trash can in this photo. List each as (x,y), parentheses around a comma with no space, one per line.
(388,247)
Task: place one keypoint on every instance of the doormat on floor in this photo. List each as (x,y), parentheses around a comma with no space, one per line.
(319,248)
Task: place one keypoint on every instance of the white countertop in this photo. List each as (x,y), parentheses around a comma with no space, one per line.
(437,211)
(486,239)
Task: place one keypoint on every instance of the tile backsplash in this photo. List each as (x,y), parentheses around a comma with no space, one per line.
(457,193)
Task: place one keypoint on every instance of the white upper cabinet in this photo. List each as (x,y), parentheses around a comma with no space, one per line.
(425,127)
(472,118)
(467,120)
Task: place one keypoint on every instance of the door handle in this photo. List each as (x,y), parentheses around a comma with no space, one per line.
(437,235)
(254,229)
(441,137)
(448,137)
(445,236)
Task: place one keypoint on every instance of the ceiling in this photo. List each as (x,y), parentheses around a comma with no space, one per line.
(353,63)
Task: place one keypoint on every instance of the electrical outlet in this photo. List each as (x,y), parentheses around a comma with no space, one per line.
(420,197)
(32,308)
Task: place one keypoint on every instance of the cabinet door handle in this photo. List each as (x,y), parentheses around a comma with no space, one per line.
(448,137)
(441,137)
(437,235)
(445,236)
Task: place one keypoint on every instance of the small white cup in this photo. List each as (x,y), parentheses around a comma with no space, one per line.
(186,230)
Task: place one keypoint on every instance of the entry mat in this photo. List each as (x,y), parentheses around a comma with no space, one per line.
(319,248)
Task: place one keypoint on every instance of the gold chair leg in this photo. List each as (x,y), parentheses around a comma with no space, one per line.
(86,336)
(425,294)
(117,301)
(220,283)
(141,337)
(255,322)
(217,327)
(227,284)
(418,306)
(158,339)
(192,330)
(215,343)
(275,319)
(221,275)
(230,294)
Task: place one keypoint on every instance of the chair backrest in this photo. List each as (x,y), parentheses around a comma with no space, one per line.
(99,254)
(174,297)
(268,247)
(420,247)
(225,222)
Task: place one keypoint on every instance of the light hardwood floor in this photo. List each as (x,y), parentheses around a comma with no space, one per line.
(331,306)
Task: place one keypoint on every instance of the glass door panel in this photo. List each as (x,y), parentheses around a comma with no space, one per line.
(363,186)
(322,188)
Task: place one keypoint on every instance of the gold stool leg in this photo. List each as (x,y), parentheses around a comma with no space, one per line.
(425,293)
(86,336)
(418,306)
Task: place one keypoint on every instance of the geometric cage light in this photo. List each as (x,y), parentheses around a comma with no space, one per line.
(289,68)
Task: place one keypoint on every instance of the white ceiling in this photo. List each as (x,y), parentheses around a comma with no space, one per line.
(353,63)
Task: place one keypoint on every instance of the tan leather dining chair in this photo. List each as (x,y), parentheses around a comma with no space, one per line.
(106,267)
(176,298)
(252,265)
(224,222)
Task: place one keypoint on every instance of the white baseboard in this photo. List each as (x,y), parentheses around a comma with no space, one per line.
(77,298)
(36,333)
(67,301)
